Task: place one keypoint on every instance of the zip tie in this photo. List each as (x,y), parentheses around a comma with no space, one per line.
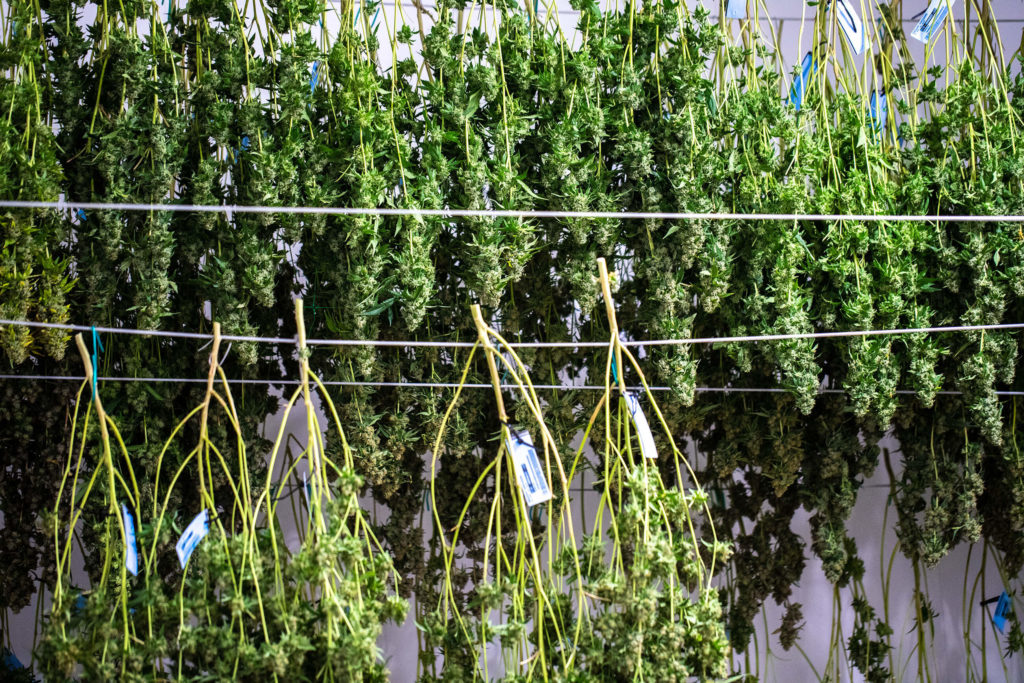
(453,385)
(507,213)
(97,346)
(518,345)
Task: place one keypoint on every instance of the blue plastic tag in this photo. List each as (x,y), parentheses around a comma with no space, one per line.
(314,77)
(643,429)
(736,9)
(529,473)
(131,550)
(1004,608)
(808,67)
(932,20)
(10,661)
(852,26)
(194,532)
(879,111)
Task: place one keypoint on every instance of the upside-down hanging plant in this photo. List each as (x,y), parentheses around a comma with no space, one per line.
(651,107)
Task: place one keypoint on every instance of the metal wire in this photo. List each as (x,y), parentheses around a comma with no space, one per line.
(502,213)
(517,345)
(452,385)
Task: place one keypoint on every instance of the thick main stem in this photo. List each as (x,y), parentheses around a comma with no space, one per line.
(485,340)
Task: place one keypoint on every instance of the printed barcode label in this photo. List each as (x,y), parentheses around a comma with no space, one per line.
(643,429)
(932,20)
(529,473)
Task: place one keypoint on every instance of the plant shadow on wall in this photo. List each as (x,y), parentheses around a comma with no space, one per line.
(650,108)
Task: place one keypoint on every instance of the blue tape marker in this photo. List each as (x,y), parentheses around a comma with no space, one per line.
(808,67)
(194,533)
(1004,608)
(81,215)
(97,346)
(615,370)
(314,77)
(736,9)
(932,20)
(131,551)
(245,142)
(373,24)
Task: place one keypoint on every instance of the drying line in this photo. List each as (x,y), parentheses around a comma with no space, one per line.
(517,345)
(504,213)
(826,335)
(453,385)
(236,337)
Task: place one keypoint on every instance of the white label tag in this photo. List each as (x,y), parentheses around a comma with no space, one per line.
(851,24)
(131,551)
(643,429)
(932,20)
(529,472)
(305,492)
(194,532)
(736,9)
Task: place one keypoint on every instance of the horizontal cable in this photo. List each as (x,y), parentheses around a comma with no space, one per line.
(243,338)
(504,213)
(826,335)
(517,345)
(453,385)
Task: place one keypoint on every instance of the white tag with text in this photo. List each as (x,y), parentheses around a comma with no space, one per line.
(131,551)
(194,532)
(932,20)
(643,429)
(852,26)
(529,473)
